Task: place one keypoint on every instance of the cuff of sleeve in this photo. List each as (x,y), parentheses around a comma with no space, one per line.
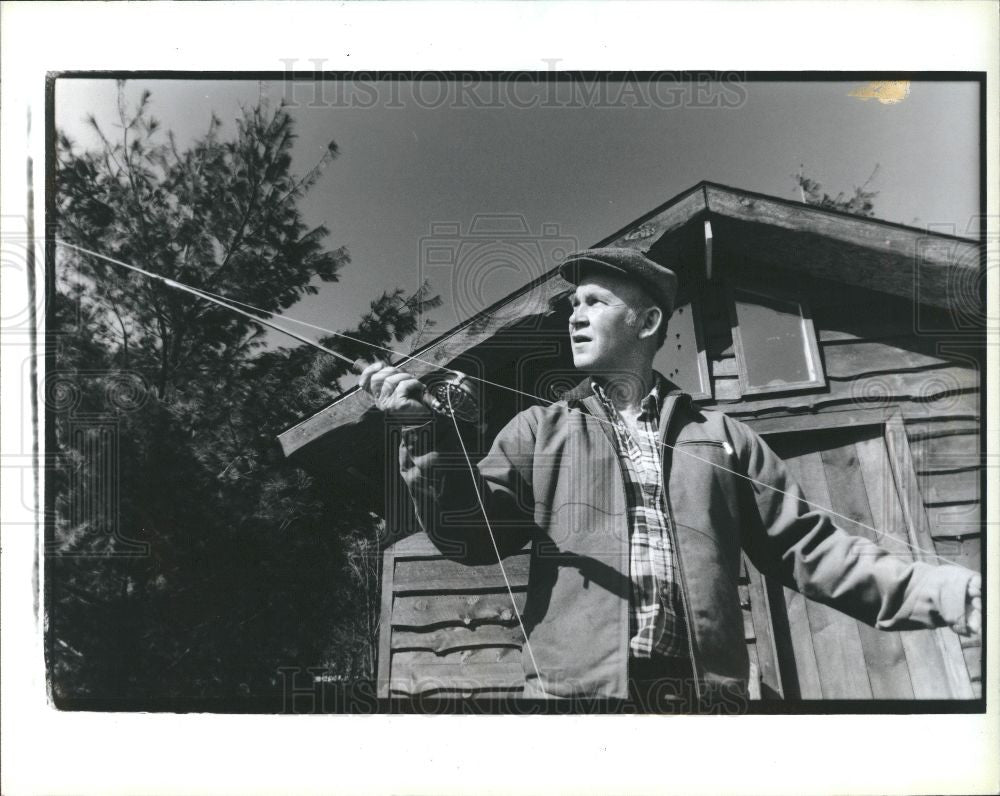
(417,426)
(430,436)
(954,594)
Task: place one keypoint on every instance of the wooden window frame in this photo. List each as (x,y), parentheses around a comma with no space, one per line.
(812,341)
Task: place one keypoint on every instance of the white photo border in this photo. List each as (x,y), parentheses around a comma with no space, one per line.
(48,751)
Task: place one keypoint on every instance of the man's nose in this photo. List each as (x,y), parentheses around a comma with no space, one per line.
(578,317)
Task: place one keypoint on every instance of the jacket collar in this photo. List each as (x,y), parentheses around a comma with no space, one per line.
(670,393)
(585,388)
(580,391)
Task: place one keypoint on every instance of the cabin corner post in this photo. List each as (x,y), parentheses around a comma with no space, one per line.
(922,544)
(399,522)
(383,668)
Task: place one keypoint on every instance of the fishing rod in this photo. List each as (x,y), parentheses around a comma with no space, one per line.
(456,394)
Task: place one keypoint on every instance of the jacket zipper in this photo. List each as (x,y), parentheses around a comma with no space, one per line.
(672,530)
(628,551)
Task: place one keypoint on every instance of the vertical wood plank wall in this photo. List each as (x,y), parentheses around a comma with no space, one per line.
(835,657)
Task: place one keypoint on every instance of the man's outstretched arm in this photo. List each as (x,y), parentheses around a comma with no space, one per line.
(803,546)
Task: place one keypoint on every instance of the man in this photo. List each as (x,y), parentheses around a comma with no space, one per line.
(638,504)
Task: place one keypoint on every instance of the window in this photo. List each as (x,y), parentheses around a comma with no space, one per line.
(774,342)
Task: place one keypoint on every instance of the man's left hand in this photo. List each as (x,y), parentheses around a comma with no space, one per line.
(972,623)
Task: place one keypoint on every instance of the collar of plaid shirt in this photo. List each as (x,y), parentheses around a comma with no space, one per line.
(650,404)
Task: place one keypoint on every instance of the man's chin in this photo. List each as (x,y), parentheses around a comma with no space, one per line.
(593,365)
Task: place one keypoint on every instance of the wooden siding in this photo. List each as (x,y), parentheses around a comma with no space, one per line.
(878,353)
(453,630)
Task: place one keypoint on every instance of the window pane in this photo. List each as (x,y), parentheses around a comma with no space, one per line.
(775,341)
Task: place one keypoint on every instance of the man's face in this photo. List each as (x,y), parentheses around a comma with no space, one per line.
(602,327)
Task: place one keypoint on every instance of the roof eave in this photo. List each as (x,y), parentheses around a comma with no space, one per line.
(863,251)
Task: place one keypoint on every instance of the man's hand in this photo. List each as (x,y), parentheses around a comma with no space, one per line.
(395,391)
(972,623)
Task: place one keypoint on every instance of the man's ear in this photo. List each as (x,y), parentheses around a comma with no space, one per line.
(652,319)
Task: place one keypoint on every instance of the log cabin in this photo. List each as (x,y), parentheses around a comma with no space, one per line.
(853,345)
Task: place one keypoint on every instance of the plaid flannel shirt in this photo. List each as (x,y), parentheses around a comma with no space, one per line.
(656,616)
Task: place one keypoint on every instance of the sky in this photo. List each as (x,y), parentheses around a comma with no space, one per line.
(424,167)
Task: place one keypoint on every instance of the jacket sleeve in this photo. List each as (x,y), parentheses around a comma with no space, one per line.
(803,547)
(438,477)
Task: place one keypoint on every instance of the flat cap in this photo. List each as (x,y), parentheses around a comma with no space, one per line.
(658,280)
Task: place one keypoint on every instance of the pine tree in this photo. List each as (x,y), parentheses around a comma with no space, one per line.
(186,558)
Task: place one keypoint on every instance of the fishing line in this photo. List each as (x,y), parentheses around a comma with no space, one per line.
(215,298)
(496,548)
(229,303)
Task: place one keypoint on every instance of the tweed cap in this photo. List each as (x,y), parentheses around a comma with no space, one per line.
(658,280)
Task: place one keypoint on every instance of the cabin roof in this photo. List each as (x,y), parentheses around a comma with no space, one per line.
(871,253)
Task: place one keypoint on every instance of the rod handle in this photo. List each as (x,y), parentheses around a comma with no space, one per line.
(427,399)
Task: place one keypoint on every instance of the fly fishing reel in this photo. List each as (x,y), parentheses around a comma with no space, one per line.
(453,393)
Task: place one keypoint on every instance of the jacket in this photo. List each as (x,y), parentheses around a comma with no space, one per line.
(552,475)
